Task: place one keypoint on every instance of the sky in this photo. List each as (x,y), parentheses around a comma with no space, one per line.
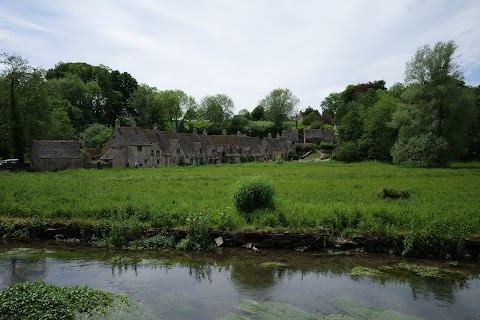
(243,48)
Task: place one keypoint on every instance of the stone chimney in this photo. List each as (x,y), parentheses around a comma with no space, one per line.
(155,127)
(239,134)
(117,123)
(205,132)
(278,135)
(195,131)
(134,124)
(174,130)
(270,135)
(224,132)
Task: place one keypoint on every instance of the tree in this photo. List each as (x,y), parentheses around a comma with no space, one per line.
(60,126)
(278,105)
(330,104)
(441,111)
(146,106)
(217,108)
(24,105)
(95,135)
(258,113)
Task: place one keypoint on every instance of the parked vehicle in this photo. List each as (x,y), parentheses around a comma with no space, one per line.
(10,164)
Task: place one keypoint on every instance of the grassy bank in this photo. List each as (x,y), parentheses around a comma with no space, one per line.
(345,199)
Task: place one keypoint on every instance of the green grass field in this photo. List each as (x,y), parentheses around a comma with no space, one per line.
(337,197)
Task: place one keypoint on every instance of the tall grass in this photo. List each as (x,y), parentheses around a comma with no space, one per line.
(342,198)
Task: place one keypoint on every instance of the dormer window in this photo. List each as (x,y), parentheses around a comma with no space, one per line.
(139,148)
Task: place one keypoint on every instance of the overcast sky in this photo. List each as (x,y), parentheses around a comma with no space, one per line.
(242,48)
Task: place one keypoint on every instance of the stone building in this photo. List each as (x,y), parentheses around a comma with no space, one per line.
(153,148)
(53,155)
(318,135)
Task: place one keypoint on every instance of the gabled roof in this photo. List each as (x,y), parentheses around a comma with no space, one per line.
(133,136)
(274,144)
(319,134)
(110,154)
(57,149)
(291,134)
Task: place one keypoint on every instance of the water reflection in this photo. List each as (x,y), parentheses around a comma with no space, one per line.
(211,286)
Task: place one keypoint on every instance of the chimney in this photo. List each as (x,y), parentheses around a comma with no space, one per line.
(117,123)
(278,135)
(155,127)
(224,132)
(174,130)
(239,134)
(205,132)
(134,124)
(270,135)
(195,131)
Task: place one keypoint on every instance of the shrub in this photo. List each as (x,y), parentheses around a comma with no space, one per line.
(394,194)
(349,152)
(198,237)
(253,193)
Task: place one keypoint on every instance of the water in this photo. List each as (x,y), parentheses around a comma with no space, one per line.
(233,282)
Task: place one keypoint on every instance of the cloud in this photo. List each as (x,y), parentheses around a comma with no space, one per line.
(242,48)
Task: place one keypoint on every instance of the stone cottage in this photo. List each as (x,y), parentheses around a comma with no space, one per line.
(153,148)
(53,155)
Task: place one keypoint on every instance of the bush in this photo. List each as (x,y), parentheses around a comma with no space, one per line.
(198,237)
(253,193)
(394,194)
(349,152)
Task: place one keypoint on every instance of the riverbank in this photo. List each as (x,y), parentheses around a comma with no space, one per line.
(100,234)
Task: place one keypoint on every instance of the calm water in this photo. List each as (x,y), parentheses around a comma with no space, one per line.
(233,282)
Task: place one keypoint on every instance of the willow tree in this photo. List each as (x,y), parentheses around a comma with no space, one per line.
(433,126)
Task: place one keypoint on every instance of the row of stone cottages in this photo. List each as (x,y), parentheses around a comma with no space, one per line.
(131,146)
(152,148)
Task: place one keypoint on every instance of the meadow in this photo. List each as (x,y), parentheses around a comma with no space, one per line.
(336,197)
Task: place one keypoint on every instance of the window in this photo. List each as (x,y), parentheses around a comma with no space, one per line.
(139,148)
(178,151)
(158,152)
(146,161)
(152,152)
(200,150)
(158,161)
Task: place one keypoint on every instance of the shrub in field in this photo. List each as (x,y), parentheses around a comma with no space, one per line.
(253,193)
(394,194)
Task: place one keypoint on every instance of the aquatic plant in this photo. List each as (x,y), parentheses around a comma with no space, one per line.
(273,264)
(361,271)
(40,300)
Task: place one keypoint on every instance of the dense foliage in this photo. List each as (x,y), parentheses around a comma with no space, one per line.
(430,120)
(42,301)
(252,193)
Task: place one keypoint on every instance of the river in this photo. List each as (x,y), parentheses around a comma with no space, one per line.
(269,284)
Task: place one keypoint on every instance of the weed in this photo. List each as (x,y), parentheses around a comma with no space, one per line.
(198,237)
(40,300)
(394,194)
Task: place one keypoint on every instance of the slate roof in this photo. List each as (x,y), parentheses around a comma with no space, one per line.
(291,134)
(326,135)
(57,149)
(133,136)
(110,154)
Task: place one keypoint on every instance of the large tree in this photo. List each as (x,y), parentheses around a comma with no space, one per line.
(24,105)
(441,109)
(217,108)
(279,104)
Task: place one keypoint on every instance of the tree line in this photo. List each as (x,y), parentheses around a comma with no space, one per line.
(429,119)
(81,101)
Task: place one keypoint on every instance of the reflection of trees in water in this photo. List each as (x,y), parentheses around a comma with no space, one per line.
(252,279)
(18,270)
